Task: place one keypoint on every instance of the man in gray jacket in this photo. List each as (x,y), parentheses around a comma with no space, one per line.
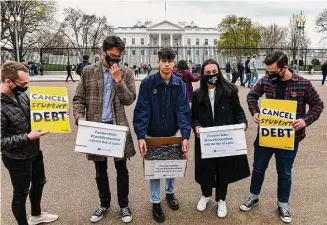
(20,147)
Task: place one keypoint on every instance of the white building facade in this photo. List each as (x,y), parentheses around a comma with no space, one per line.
(191,43)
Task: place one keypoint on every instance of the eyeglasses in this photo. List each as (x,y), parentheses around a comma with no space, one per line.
(115,56)
(18,84)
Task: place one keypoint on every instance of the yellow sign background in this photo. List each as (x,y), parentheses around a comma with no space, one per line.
(50,115)
(276,141)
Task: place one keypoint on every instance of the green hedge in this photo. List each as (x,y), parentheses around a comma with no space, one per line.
(54,67)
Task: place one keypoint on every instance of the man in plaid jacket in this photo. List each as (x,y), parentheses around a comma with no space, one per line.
(280,83)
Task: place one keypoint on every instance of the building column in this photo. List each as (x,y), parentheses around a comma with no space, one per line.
(148,39)
(159,40)
(171,40)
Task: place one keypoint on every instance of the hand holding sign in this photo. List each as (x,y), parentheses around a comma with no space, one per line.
(185,146)
(256,118)
(115,71)
(299,124)
(197,131)
(142,147)
(36,134)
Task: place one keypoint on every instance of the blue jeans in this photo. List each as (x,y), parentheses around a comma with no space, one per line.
(284,164)
(254,77)
(247,79)
(155,196)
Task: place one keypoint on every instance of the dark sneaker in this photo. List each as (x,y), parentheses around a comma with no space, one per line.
(172,201)
(157,213)
(249,203)
(126,215)
(284,213)
(98,214)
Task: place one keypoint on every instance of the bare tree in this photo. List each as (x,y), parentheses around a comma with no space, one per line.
(36,16)
(272,37)
(321,23)
(84,31)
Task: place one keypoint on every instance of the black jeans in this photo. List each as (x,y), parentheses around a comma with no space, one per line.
(103,183)
(69,75)
(22,174)
(324,75)
(221,189)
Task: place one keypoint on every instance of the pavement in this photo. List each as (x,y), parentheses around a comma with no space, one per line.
(71,190)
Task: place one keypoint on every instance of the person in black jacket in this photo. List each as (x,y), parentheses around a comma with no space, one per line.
(324,73)
(20,147)
(247,72)
(216,103)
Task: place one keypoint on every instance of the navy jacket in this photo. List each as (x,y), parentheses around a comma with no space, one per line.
(161,110)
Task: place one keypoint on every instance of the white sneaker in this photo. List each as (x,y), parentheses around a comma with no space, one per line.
(222,209)
(43,218)
(202,204)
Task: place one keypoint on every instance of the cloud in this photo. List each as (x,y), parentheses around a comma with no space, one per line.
(204,13)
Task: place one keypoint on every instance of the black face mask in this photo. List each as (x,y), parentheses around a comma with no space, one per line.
(18,89)
(210,79)
(275,75)
(110,61)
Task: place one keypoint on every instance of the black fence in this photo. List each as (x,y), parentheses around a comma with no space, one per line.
(56,59)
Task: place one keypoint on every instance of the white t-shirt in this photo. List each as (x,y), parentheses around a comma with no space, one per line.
(212,95)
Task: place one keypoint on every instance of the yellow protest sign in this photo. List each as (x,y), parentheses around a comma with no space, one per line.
(49,109)
(276,118)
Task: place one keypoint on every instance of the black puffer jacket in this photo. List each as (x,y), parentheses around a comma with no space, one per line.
(15,125)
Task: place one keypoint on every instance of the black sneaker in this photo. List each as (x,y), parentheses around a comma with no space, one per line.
(126,215)
(98,214)
(284,213)
(157,213)
(249,203)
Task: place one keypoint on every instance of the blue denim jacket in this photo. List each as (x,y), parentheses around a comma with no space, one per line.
(162,109)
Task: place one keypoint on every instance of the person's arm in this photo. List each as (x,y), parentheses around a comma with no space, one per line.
(237,108)
(192,77)
(142,112)
(195,113)
(14,141)
(125,88)
(316,106)
(253,96)
(183,113)
(79,99)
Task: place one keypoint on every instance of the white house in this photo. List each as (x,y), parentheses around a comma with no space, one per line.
(191,42)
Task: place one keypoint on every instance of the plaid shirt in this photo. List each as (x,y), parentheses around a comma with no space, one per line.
(299,89)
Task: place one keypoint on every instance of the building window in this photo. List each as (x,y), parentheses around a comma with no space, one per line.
(133,52)
(155,41)
(155,52)
(142,41)
(206,41)
(189,41)
(133,41)
(176,42)
(188,52)
(197,41)
(197,52)
(124,40)
(214,42)
(206,52)
(142,52)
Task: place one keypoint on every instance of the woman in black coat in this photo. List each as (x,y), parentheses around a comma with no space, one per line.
(216,93)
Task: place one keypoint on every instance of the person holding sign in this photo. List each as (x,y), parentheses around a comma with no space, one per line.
(216,103)
(105,88)
(20,146)
(162,109)
(280,83)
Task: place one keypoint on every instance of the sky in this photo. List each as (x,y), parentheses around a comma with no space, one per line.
(204,13)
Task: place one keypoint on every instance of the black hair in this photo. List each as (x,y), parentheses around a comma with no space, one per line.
(166,54)
(182,65)
(85,57)
(227,87)
(277,57)
(113,41)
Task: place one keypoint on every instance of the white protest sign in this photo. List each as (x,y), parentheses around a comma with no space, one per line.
(157,169)
(223,141)
(101,139)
